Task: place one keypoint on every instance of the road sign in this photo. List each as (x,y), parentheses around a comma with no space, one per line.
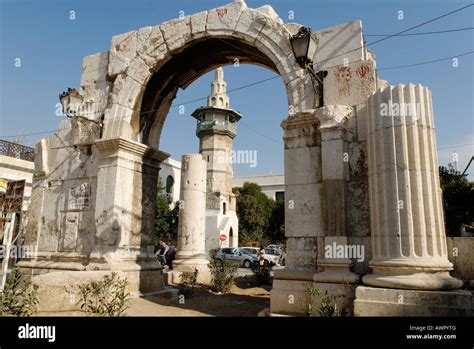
(223,237)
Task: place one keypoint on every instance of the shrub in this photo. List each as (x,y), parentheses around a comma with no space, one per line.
(187,282)
(222,274)
(105,297)
(19,296)
(327,306)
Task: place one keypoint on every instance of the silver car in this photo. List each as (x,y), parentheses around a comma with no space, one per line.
(272,256)
(236,255)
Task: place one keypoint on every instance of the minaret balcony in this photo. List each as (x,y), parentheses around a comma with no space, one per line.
(217,126)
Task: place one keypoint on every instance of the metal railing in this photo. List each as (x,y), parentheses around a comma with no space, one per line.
(216,126)
(17,151)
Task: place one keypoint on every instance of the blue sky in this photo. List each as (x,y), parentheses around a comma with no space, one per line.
(51,48)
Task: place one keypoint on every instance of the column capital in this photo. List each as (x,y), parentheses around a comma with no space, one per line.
(301,130)
(132,147)
(333,116)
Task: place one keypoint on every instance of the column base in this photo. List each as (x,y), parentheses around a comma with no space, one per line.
(289,294)
(372,301)
(58,287)
(344,295)
(337,272)
(58,275)
(417,281)
(188,265)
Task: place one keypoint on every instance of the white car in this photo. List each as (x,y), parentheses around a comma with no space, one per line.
(270,255)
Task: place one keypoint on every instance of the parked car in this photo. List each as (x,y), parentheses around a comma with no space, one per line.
(250,250)
(275,247)
(236,255)
(271,256)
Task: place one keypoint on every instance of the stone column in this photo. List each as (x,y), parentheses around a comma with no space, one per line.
(125,212)
(406,212)
(192,217)
(333,119)
(304,221)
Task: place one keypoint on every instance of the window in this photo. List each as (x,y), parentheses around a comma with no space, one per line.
(169,184)
(224,208)
(280,195)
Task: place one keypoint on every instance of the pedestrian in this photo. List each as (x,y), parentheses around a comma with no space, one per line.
(261,256)
(166,254)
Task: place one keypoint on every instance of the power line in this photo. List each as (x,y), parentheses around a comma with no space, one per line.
(276,76)
(342,54)
(427,62)
(257,83)
(421,24)
(259,133)
(455,146)
(260,82)
(425,33)
(397,34)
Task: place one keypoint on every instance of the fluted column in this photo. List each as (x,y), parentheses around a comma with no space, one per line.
(407,224)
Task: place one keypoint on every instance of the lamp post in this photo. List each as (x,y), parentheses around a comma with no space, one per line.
(304,48)
(71,101)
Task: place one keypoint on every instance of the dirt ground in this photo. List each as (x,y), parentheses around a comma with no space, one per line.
(244,299)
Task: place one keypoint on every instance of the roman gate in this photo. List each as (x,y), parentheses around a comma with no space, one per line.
(346,167)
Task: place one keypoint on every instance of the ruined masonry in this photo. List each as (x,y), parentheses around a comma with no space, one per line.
(94,188)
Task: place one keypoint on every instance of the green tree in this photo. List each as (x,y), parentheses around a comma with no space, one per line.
(458,197)
(259,216)
(166,219)
(276,227)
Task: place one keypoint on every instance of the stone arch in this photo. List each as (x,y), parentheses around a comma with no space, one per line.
(144,89)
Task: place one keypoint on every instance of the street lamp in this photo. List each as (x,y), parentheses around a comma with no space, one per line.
(71,101)
(304,48)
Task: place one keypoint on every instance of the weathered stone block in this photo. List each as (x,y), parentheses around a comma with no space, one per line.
(289,297)
(224,18)
(94,68)
(371,301)
(339,45)
(249,25)
(176,32)
(301,253)
(305,163)
(153,49)
(460,252)
(198,23)
(122,52)
(304,211)
(349,85)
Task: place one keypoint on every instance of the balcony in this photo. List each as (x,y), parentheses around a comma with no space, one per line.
(17,151)
(214,125)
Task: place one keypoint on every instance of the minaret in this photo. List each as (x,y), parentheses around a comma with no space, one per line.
(216,128)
